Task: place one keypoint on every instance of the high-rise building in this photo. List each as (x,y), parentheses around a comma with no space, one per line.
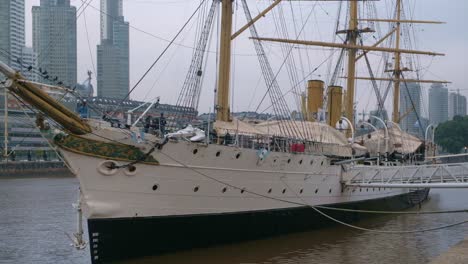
(113,51)
(54,40)
(29,62)
(457,105)
(11,31)
(438,104)
(410,108)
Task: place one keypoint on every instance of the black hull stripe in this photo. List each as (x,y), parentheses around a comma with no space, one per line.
(124,238)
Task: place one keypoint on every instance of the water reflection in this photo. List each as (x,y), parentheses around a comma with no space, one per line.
(36,213)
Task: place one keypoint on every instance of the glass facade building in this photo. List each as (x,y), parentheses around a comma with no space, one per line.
(113,52)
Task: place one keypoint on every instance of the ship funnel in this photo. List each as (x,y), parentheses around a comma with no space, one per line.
(314,98)
(33,95)
(335,101)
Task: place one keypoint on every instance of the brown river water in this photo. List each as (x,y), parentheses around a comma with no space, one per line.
(36,214)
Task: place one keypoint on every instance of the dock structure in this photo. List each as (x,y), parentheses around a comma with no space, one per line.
(458,254)
(454,175)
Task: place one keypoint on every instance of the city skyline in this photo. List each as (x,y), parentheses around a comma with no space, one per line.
(165,19)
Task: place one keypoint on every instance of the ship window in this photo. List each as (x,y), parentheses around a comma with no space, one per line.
(329,191)
(289,160)
(218,153)
(238,155)
(195,151)
(300,162)
(316,190)
(301,191)
(155,187)
(284,190)
(269,191)
(224,189)
(196,189)
(274,161)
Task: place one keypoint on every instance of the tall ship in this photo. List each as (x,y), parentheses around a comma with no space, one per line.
(144,191)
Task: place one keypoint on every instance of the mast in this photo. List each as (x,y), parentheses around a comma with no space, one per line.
(223,110)
(352,40)
(397,70)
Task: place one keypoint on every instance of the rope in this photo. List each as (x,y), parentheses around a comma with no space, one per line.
(391,212)
(159,57)
(319,211)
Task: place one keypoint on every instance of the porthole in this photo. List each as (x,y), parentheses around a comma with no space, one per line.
(289,160)
(274,161)
(224,189)
(316,190)
(238,155)
(130,170)
(284,190)
(196,189)
(155,187)
(269,190)
(300,162)
(195,151)
(108,167)
(218,153)
(301,191)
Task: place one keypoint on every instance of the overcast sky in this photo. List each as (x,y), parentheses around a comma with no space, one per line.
(161,19)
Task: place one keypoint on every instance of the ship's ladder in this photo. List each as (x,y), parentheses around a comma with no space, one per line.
(453,175)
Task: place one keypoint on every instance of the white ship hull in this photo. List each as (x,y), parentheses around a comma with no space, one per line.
(214,183)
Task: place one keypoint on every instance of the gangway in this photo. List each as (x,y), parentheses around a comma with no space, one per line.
(451,175)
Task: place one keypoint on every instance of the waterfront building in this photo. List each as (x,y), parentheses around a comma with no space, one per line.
(438,104)
(54,41)
(113,52)
(11,31)
(24,138)
(410,108)
(457,105)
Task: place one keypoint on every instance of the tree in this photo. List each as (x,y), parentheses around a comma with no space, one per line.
(452,136)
